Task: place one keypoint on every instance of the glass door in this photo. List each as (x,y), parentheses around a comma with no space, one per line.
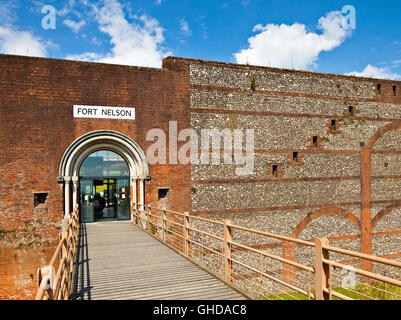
(123,199)
(86,195)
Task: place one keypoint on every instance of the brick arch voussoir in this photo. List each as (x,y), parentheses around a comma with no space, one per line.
(325,212)
(394,206)
(395,125)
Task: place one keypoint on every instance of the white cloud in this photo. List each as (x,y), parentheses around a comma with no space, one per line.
(292,46)
(66,9)
(24,43)
(15,41)
(185,27)
(73,25)
(376,72)
(7,15)
(203,27)
(136,43)
(96,41)
(87,56)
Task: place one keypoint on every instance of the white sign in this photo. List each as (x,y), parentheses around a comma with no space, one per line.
(104,112)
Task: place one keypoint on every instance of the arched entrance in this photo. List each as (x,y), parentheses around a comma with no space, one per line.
(104,187)
(100,141)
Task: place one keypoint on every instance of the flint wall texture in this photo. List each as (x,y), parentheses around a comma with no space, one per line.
(318,193)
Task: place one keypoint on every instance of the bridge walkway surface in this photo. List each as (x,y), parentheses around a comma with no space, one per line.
(118,261)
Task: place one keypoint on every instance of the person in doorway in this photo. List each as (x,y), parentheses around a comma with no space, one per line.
(98,204)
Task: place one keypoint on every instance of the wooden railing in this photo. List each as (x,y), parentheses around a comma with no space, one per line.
(56,284)
(251,261)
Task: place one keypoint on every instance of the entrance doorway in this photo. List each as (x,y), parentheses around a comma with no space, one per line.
(103,155)
(104,187)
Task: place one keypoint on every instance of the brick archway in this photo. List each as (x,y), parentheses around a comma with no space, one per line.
(366,191)
(396,205)
(93,141)
(324,212)
(288,248)
(366,223)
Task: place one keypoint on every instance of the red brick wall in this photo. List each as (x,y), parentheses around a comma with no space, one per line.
(37,125)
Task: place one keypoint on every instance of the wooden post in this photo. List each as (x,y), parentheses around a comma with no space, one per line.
(148,213)
(136,214)
(186,232)
(142,216)
(164,225)
(227,249)
(64,245)
(46,277)
(322,270)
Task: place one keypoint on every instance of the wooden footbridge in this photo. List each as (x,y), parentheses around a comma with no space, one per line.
(117,260)
(163,254)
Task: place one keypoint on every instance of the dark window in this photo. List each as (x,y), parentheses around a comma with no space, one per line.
(39,198)
(394,91)
(295,156)
(162,193)
(334,124)
(379,88)
(275,170)
(315,141)
(351,110)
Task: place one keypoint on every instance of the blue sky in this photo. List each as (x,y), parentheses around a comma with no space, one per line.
(308,35)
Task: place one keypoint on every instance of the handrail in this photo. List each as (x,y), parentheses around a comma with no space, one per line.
(366,273)
(54,285)
(188,239)
(276,236)
(295,264)
(363,256)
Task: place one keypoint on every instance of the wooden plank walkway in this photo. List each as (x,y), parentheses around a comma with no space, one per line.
(117,260)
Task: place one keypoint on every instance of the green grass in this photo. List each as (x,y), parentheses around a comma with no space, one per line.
(375,290)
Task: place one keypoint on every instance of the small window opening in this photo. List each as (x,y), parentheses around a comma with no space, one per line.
(351,111)
(333,124)
(253,83)
(394,91)
(379,88)
(39,198)
(315,141)
(162,193)
(275,170)
(295,156)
